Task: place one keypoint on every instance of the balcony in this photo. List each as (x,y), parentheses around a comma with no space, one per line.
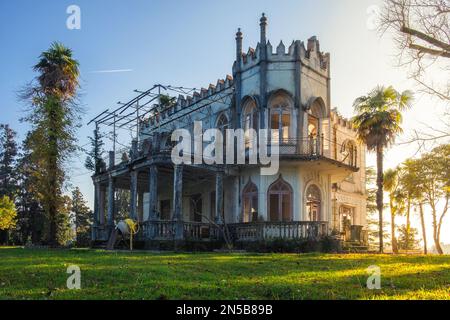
(256,231)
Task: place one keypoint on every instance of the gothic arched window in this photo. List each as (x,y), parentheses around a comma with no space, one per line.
(250,120)
(222,123)
(280,201)
(348,152)
(313,203)
(315,115)
(280,118)
(250,200)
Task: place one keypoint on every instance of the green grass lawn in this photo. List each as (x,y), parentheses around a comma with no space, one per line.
(41,274)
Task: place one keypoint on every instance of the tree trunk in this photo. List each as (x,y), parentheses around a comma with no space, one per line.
(435,232)
(3,237)
(380,193)
(408,222)
(424,235)
(53,155)
(393,238)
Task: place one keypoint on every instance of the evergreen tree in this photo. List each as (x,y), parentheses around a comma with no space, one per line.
(407,238)
(94,161)
(8,153)
(83,217)
(30,215)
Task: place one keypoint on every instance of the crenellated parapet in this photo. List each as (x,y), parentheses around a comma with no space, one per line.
(185,102)
(338,120)
(310,55)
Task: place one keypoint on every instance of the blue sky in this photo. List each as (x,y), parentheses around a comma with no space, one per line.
(190,43)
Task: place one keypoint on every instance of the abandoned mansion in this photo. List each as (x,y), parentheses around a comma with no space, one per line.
(317,191)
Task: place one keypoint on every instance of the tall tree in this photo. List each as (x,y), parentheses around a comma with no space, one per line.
(414,195)
(83,217)
(378,122)
(434,181)
(54,117)
(391,184)
(8,154)
(30,215)
(94,161)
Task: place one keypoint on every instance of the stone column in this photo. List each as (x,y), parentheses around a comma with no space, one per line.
(96,203)
(133,194)
(96,211)
(111,191)
(219,197)
(153,193)
(178,201)
(101,206)
(140,206)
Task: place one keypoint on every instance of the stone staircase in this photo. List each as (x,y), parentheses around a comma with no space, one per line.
(354,247)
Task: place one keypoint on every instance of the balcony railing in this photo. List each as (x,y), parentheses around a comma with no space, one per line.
(299,230)
(310,147)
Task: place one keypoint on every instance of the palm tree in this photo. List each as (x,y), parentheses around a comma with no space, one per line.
(53,119)
(378,122)
(58,72)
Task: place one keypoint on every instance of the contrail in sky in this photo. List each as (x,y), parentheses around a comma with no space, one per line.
(112,71)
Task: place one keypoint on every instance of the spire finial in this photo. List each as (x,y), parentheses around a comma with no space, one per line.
(263,25)
(239,34)
(263,19)
(238,45)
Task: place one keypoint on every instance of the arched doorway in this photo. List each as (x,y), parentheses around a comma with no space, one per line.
(250,199)
(280,201)
(313,203)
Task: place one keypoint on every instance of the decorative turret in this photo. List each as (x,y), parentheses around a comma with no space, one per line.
(239,46)
(263,25)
